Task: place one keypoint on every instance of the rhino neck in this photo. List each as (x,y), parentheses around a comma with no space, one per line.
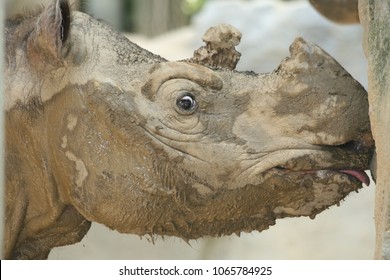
(37,217)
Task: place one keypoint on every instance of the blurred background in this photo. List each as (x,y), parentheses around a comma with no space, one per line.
(173,29)
(149,17)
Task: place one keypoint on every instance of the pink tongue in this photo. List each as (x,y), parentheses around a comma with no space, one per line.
(358,174)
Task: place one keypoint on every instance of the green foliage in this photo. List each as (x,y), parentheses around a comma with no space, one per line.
(191,7)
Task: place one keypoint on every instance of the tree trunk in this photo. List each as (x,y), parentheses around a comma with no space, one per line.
(154,17)
(375,18)
(2,9)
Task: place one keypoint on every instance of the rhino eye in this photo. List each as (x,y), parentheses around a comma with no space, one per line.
(186,103)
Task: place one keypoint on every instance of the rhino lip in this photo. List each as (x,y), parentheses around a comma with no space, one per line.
(360,175)
(357,174)
(360,146)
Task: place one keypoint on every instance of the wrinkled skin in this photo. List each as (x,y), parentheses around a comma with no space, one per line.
(100,130)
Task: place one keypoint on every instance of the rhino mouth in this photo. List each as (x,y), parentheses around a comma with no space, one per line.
(348,160)
(358,174)
(354,174)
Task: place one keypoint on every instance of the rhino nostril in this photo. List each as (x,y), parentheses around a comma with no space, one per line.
(363,142)
(350,145)
(354,146)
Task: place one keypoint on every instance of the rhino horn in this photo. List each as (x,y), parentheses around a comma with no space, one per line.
(220,49)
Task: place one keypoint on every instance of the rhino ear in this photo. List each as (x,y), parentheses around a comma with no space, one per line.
(50,33)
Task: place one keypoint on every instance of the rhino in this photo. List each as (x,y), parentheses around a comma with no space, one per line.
(100,130)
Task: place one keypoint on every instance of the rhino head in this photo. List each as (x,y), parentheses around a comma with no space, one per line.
(100,130)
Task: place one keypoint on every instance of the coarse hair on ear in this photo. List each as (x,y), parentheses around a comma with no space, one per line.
(49,34)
